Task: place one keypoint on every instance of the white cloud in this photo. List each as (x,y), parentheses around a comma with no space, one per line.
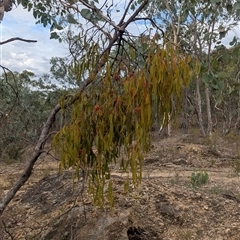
(19,56)
(229,37)
(35,57)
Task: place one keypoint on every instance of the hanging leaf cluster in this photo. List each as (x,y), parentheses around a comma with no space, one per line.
(111,120)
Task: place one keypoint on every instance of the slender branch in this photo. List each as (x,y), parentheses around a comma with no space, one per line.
(152,22)
(93,8)
(134,15)
(101,29)
(19,39)
(5,69)
(6,230)
(171,16)
(125,13)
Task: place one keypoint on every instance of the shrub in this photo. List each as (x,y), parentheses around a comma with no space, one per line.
(199,178)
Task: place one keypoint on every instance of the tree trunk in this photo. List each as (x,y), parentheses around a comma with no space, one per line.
(199,106)
(238,113)
(185,118)
(209,113)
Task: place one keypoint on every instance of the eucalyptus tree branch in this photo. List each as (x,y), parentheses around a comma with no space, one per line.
(179,21)
(18,39)
(5,69)
(134,15)
(152,22)
(101,29)
(93,8)
(125,13)
(171,16)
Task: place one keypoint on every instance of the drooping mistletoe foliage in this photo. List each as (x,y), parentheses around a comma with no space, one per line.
(122,77)
(114,115)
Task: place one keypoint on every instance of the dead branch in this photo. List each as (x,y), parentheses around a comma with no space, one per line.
(5,69)
(6,230)
(18,39)
(15,91)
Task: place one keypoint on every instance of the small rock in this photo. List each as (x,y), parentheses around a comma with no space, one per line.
(198,194)
(227,230)
(235,224)
(205,207)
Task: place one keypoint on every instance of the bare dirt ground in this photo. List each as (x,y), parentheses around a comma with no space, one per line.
(166,205)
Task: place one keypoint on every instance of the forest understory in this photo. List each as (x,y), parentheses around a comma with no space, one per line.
(190,190)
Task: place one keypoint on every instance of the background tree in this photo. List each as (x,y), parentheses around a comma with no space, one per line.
(25,104)
(199,25)
(225,87)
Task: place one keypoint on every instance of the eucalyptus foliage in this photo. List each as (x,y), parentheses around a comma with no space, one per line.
(24,107)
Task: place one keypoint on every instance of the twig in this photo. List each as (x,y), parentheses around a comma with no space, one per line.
(6,230)
(125,13)
(19,39)
(152,22)
(39,148)
(16,93)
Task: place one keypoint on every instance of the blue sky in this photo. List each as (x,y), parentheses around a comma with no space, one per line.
(35,57)
(18,55)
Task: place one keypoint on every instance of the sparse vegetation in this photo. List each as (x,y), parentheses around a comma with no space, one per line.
(215,190)
(199,178)
(162,203)
(236,166)
(12,153)
(175,180)
(174,70)
(185,234)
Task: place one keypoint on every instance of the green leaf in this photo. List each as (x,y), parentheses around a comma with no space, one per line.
(206,36)
(221,85)
(206,79)
(234,41)
(142,63)
(132,7)
(222,34)
(219,100)
(231,89)
(23,2)
(237,6)
(229,7)
(30,7)
(35,13)
(71,19)
(54,35)
(86,13)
